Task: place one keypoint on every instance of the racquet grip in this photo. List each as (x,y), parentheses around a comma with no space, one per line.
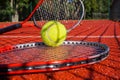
(10,28)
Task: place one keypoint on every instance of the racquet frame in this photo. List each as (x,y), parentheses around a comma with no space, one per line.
(19,68)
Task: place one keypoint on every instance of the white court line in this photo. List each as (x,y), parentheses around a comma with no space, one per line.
(67,36)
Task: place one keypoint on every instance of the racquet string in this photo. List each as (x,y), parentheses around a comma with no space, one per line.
(68,12)
(44,54)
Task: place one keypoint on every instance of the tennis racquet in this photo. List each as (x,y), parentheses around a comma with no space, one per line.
(37,57)
(65,11)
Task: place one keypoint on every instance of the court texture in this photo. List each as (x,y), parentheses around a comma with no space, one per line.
(103,31)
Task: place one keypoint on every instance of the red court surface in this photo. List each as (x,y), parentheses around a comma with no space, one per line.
(103,31)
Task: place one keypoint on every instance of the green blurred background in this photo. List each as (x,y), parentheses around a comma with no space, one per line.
(17,10)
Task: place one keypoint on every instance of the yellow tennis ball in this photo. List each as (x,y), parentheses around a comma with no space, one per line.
(53,33)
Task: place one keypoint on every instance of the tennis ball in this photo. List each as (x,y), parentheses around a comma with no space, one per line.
(53,33)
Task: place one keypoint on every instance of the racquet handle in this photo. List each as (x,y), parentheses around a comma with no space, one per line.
(10,28)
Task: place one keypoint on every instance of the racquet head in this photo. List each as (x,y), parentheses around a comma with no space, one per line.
(66,11)
(37,57)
